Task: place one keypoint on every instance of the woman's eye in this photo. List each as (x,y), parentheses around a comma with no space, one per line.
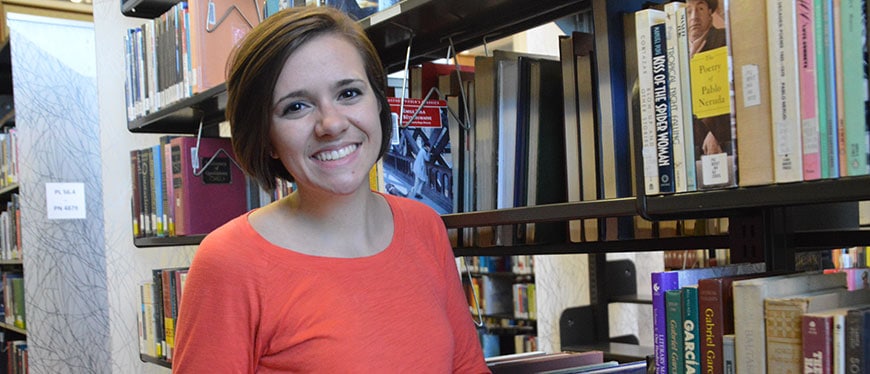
(350,93)
(293,108)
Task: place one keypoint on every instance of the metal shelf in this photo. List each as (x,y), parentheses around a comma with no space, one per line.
(184,116)
(168,241)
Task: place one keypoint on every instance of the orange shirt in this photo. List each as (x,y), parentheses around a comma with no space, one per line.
(250,306)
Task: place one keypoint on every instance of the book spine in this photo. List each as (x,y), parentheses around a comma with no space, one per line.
(662,108)
(832,93)
(785,99)
(729,356)
(712,306)
(857,325)
(822,99)
(644,19)
(839,344)
(783,334)
(676,95)
(691,330)
(686,98)
(817,344)
(661,283)
(675,336)
(748,24)
(808,91)
(852,22)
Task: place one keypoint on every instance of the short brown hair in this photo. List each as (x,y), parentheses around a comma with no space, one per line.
(253,71)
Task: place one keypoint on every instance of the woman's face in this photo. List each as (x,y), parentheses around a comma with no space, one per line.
(325,117)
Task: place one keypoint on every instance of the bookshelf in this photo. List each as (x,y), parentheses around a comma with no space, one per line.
(764,220)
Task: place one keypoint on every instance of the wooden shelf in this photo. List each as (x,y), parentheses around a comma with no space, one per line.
(13,328)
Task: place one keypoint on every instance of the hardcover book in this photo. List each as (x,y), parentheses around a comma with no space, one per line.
(751,92)
(209,186)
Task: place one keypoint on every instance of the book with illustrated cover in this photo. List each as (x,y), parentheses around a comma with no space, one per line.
(714,123)
(216,26)
(420,163)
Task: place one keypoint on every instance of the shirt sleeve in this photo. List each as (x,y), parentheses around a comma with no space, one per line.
(217,319)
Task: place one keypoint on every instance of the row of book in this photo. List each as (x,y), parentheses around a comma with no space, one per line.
(187,186)
(16,357)
(160,301)
(10,230)
(184,51)
(745,319)
(500,336)
(8,157)
(786,81)
(13,310)
(516,264)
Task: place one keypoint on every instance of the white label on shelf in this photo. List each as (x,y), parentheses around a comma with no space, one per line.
(65,201)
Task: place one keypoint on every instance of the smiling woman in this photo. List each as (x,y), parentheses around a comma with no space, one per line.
(306,103)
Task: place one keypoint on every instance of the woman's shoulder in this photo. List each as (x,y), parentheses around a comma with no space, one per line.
(410,209)
(234,242)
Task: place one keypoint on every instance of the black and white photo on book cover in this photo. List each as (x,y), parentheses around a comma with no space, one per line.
(419,163)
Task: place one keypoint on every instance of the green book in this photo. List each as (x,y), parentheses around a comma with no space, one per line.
(18,302)
(691,330)
(674,316)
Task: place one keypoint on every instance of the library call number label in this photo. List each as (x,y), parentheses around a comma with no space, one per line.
(65,201)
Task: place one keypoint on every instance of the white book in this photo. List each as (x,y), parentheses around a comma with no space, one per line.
(785,90)
(644,19)
(749,326)
(676,94)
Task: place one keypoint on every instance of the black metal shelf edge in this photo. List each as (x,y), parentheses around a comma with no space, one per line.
(613,246)
(468,23)
(9,189)
(184,116)
(168,241)
(778,195)
(156,361)
(544,213)
(827,239)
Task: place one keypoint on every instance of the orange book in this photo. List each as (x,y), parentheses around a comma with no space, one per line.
(216,26)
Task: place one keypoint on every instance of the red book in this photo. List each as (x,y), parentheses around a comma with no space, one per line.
(817,331)
(716,318)
(427,74)
(213,194)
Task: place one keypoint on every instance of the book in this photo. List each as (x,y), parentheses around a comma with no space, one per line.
(485,137)
(584,74)
(751,93)
(209,186)
(216,26)
(644,19)
(808,91)
(852,23)
(421,164)
(857,340)
(749,323)
(572,131)
(782,318)
(678,91)
(714,124)
(820,337)
(728,354)
(541,170)
(662,108)
(661,282)
(785,103)
(826,92)
(675,333)
(691,329)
